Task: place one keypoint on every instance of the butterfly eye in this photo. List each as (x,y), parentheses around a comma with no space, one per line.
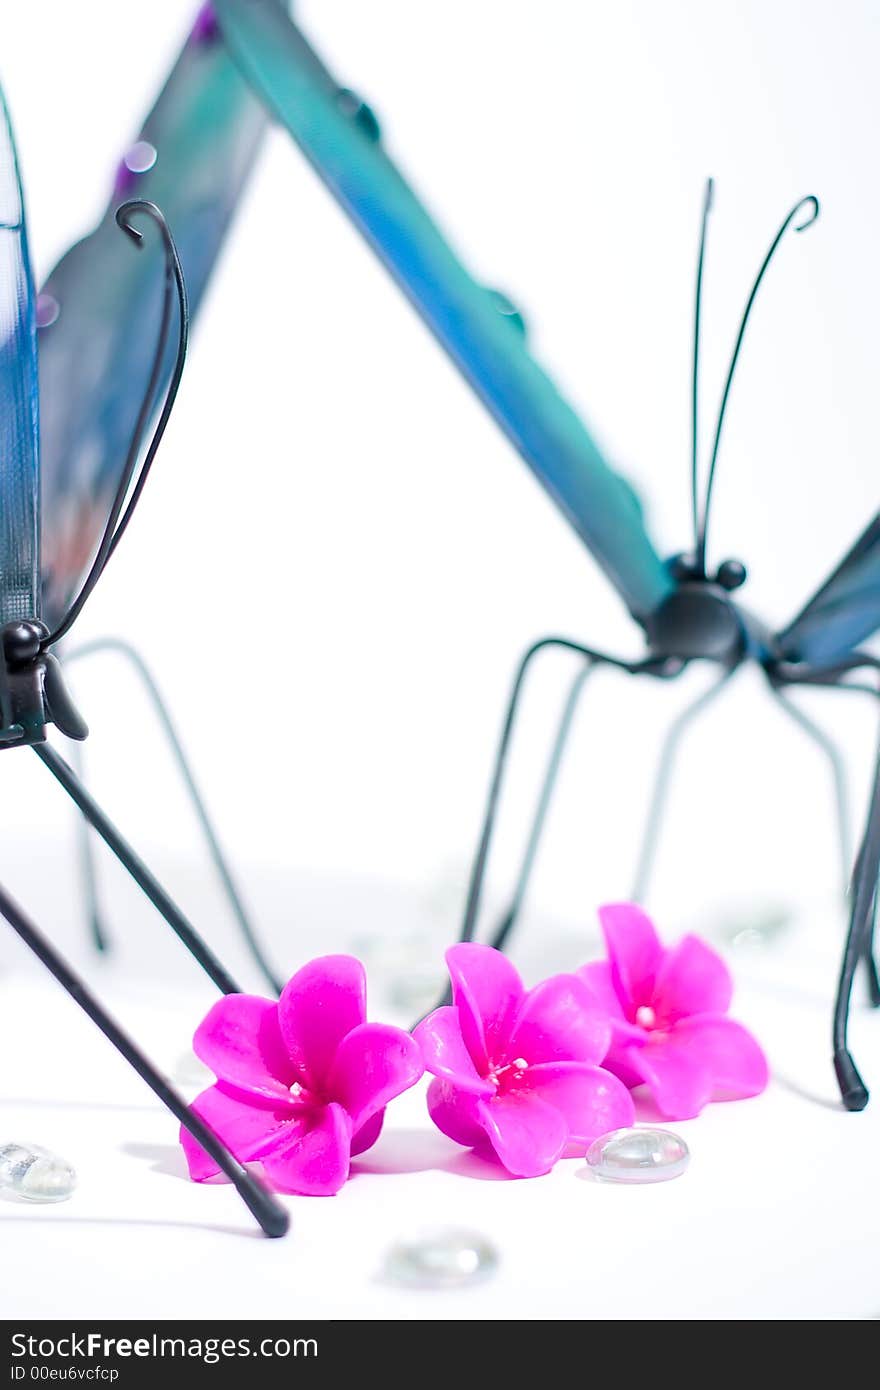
(683,566)
(731,574)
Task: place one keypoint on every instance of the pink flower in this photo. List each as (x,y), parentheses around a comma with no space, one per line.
(519,1068)
(302,1084)
(667,1010)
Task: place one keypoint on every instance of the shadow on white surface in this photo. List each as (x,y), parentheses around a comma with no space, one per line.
(422,1151)
(806,1093)
(122,1221)
(162,1158)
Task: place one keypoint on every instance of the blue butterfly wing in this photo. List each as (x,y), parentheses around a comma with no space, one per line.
(475,325)
(19,399)
(101,305)
(844,612)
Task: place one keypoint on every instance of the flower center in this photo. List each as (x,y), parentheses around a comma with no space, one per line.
(301,1095)
(509,1072)
(645,1016)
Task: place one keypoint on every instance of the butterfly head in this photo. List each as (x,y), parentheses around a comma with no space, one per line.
(32,689)
(700,619)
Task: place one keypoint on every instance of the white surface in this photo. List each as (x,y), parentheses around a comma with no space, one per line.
(331,494)
(777,1216)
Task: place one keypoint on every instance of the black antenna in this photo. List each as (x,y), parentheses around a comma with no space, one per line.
(698,297)
(118,519)
(812,203)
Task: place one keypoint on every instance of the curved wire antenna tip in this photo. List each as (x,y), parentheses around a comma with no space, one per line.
(125,210)
(812,203)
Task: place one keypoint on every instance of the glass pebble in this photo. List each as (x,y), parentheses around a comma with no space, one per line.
(47,310)
(638,1155)
(35,1174)
(446,1258)
(756,925)
(140,157)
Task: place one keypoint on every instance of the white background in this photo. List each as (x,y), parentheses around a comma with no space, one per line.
(338,558)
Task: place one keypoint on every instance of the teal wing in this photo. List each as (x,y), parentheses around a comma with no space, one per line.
(19,399)
(843,612)
(99,310)
(340,137)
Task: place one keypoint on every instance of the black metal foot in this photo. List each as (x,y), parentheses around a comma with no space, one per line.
(98,932)
(853,1091)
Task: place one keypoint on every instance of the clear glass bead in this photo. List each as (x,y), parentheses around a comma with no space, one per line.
(638,1155)
(35,1174)
(445,1258)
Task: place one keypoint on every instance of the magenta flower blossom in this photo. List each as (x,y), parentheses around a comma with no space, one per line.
(302,1084)
(518,1069)
(668,1015)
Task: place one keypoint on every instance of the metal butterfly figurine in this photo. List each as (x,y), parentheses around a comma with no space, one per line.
(99,388)
(685,610)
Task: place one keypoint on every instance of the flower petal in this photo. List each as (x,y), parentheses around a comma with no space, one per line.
(246,1127)
(680,1084)
(703,1057)
(590,1099)
(367,1135)
(527,1134)
(455,1113)
(597,977)
(737,1063)
(635,953)
(558,1022)
(443,1049)
(373,1064)
(239,1039)
(692,979)
(486,990)
(323,1002)
(315,1161)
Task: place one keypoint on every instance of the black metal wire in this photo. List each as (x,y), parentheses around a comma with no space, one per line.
(695,380)
(119,519)
(813,203)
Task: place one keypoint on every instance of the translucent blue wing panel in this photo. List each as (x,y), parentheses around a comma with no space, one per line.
(99,310)
(340,137)
(19,400)
(844,612)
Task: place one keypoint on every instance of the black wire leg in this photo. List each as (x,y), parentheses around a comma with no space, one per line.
(871,959)
(198,948)
(510,917)
(837,677)
(117,646)
(864,892)
(662,780)
(88,867)
(478,870)
(838,774)
(270,1214)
